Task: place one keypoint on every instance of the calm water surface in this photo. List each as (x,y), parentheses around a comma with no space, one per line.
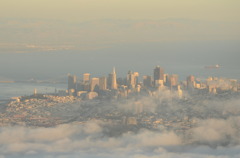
(8,90)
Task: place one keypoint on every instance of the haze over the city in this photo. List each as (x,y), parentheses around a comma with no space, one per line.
(188,106)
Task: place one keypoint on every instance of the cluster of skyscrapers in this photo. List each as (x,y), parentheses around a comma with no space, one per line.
(90,85)
(93,87)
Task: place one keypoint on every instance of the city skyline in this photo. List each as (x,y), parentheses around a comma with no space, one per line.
(122,87)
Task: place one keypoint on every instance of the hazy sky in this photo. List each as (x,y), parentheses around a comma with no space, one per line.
(80,10)
(173,33)
(93,24)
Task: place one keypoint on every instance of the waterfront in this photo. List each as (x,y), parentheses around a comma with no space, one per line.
(8,90)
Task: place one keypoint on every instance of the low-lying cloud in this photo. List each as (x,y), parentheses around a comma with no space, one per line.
(217,132)
(212,138)
(201,126)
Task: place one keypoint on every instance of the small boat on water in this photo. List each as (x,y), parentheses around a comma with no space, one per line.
(212,67)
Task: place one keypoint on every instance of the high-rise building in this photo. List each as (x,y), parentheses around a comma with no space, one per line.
(132,79)
(86,77)
(102,83)
(72,80)
(94,84)
(172,80)
(86,86)
(79,86)
(109,81)
(165,80)
(147,81)
(158,74)
(190,82)
(113,79)
(136,75)
(159,84)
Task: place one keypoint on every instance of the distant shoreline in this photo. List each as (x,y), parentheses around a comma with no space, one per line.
(16,88)
(7,81)
(44,82)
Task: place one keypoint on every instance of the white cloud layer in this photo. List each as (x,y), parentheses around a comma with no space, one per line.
(213,138)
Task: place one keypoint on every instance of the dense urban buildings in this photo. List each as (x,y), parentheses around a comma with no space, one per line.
(114,87)
(129,101)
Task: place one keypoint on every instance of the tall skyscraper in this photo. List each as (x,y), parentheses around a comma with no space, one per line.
(132,79)
(113,79)
(94,84)
(158,74)
(72,80)
(165,80)
(86,77)
(136,75)
(102,83)
(172,80)
(147,81)
(190,82)
(79,87)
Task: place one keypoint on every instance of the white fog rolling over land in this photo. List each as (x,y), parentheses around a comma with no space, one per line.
(215,131)
(210,140)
